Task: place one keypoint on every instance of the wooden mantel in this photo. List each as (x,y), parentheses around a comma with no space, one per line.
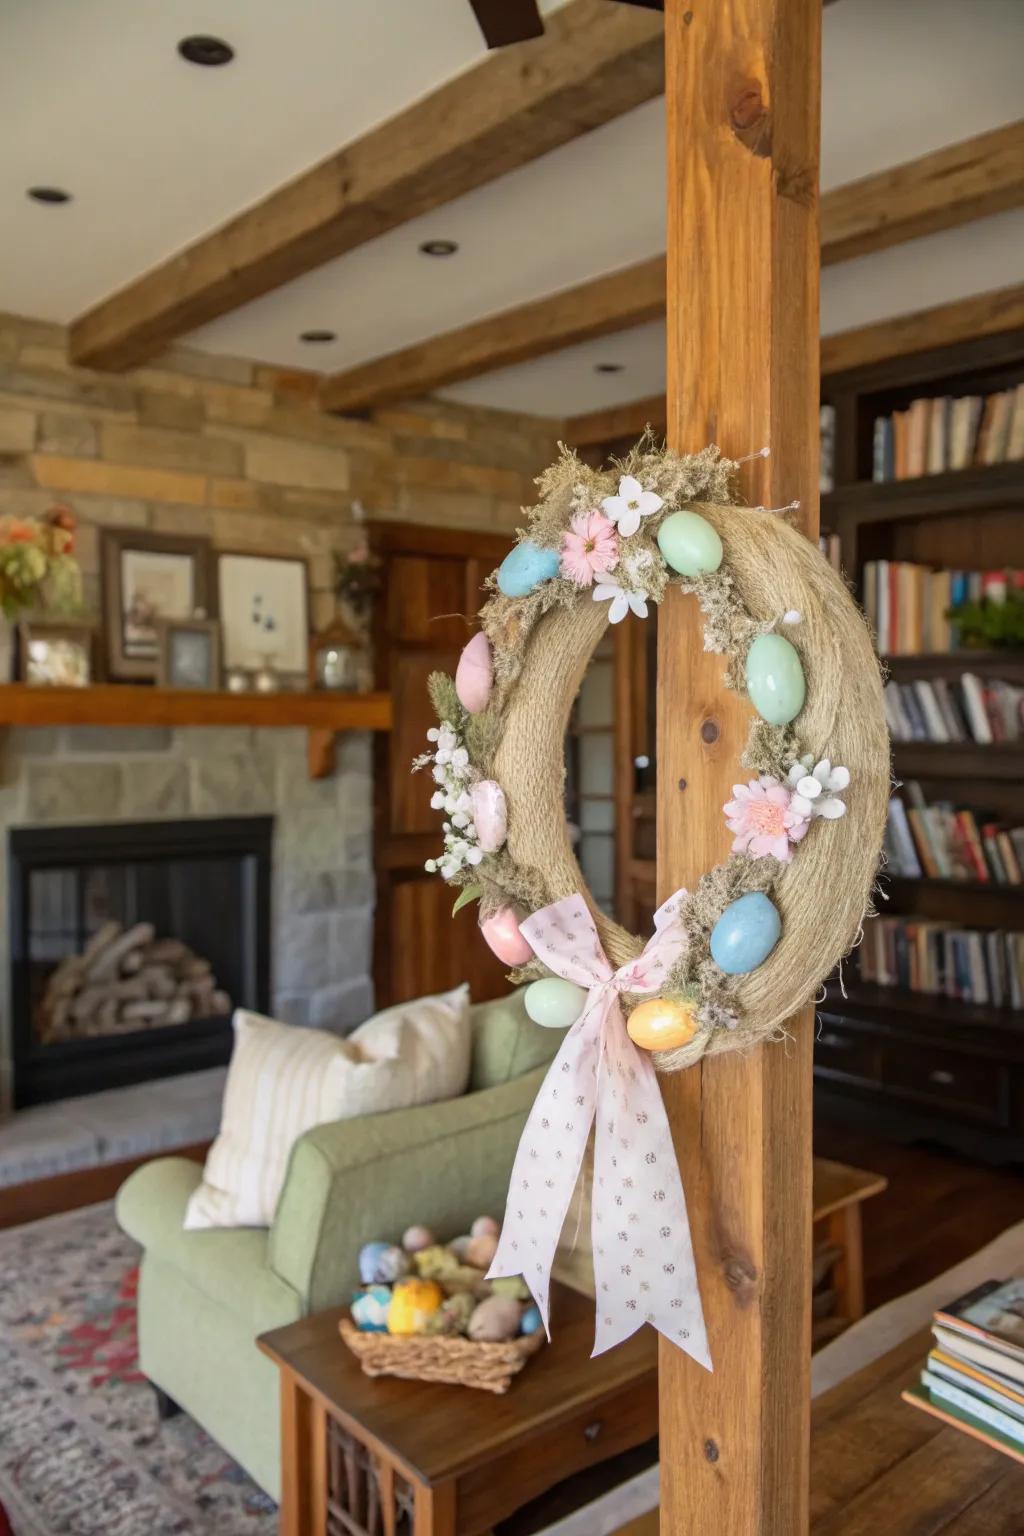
(323,714)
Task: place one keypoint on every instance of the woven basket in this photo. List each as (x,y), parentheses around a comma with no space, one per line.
(458,1362)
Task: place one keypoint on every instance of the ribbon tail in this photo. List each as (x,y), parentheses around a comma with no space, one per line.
(548,1162)
(644,1269)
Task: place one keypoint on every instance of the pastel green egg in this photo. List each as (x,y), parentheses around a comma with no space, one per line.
(775,679)
(554,1003)
(689,543)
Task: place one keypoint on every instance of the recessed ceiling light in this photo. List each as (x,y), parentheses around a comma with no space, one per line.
(318,336)
(49,195)
(609,367)
(438,248)
(208,51)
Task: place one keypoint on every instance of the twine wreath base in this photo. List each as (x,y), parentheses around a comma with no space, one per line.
(541,644)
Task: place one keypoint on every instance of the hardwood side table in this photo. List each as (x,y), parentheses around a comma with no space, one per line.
(881,1466)
(364,1456)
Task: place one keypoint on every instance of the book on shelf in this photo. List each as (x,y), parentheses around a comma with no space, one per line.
(937,434)
(939,959)
(946,842)
(963,709)
(908,605)
(828,543)
(827,457)
(973,1378)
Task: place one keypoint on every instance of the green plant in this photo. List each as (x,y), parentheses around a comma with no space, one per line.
(989,626)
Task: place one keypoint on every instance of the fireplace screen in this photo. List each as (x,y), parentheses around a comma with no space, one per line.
(131,945)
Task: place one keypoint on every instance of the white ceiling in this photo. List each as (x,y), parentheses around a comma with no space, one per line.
(157,152)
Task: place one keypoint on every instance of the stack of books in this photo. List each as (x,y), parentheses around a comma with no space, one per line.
(967,708)
(933,436)
(907,605)
(946,842)
(974,1376)
(967,965)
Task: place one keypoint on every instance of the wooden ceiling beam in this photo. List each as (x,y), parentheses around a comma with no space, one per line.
(951,186)
(941,190)
(596,308)
(981,314)
(594,62)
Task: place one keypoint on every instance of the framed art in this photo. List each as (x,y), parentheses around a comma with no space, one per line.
(189,653)
(55,655)
(264,614)
(148,577)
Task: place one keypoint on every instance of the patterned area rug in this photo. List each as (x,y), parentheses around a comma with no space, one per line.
(82,1452)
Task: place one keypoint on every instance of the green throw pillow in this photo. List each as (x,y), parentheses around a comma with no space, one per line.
(506,1042)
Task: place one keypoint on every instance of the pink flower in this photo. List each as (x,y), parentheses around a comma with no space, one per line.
(589,549)
(763,818)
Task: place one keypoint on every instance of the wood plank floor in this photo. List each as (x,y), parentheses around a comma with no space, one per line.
(938,1209)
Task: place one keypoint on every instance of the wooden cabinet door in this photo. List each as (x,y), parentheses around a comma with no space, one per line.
(432,582)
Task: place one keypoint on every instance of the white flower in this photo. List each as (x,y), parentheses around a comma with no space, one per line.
(433,734)
(621,601)
(630,505)
(438,802)
(460,760)
(816,788)
(792,616)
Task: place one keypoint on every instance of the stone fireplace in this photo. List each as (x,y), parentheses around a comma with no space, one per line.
(130,945)
(216,840)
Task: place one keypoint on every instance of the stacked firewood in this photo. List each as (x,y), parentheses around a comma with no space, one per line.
(127,979)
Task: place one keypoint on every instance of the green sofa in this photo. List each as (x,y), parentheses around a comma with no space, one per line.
(205,1296)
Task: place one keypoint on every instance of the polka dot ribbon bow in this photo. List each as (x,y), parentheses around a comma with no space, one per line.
(643,1256)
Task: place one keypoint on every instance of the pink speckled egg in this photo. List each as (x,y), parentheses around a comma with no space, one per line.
(489,814)
(502,936)
(481,1250)
(474,676)
(484,1226)
(416,1238)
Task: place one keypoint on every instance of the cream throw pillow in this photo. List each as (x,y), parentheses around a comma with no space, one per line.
(283,1080)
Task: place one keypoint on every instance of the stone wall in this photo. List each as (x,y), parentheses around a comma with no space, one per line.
(239,453)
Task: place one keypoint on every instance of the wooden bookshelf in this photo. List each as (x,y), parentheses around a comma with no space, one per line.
(907,1063)
(322,714)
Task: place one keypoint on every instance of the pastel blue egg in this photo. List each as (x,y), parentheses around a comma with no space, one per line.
(370,1309)
(745,934)
(369,1258)
(525,567)
(554,1003)
(775,679)
(531,1321)
(689,543)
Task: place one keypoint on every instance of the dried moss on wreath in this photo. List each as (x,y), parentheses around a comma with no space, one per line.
(762,929)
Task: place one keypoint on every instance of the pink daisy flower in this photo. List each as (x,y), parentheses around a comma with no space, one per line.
(590,548)
(764,820)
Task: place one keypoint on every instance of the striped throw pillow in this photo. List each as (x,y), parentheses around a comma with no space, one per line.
(283,1080)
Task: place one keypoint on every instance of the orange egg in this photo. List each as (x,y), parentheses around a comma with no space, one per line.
(661,1024)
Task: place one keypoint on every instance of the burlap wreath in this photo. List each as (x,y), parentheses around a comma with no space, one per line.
(541,644)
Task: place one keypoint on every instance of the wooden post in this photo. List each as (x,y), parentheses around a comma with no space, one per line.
(742,89)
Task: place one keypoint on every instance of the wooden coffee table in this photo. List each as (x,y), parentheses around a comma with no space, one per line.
(356,1452)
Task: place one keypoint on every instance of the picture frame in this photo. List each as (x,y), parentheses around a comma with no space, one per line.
(148,577)
(189,654)
(56,653)
(264,614)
